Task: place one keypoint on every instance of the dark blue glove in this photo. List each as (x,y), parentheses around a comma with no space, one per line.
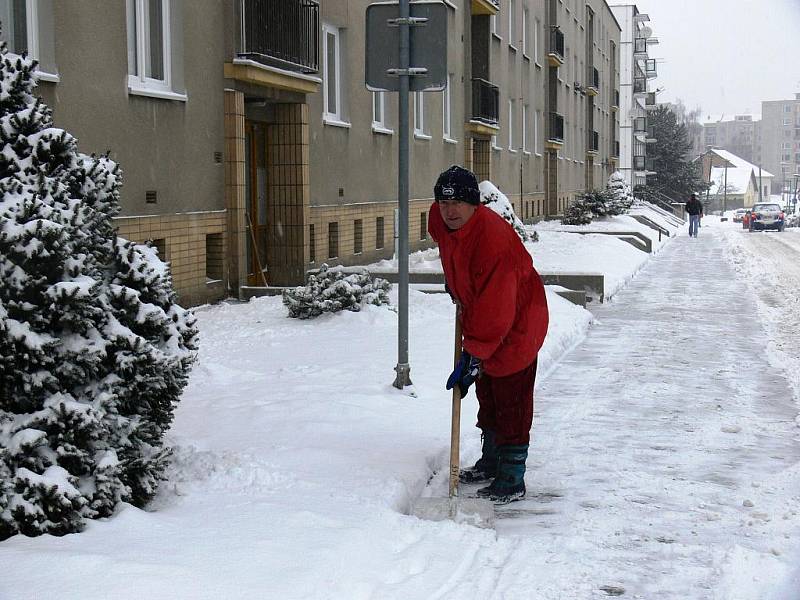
(467,370)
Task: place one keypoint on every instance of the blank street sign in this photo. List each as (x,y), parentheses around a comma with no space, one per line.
(428,47)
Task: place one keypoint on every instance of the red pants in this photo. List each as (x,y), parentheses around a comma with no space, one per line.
(505,405)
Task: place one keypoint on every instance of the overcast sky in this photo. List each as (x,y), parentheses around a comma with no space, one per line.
(725,56)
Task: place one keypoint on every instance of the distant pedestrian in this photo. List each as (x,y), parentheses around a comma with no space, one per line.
(695,209)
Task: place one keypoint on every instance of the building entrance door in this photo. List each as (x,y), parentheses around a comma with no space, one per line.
(256,203)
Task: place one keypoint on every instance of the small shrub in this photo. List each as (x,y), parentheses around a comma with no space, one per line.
(332,290)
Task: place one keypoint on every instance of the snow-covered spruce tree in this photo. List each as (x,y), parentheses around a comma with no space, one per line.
(94,352)
(493,198)
(586,207)
(620,196)
(332,290)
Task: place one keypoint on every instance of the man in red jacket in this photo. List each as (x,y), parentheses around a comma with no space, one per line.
(504,319)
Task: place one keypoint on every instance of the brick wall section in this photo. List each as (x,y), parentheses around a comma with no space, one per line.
(185,248)
(235,200)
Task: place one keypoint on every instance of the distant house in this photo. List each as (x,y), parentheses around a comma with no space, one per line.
(734,181)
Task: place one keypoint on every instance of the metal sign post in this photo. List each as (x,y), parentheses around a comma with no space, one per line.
(398,36)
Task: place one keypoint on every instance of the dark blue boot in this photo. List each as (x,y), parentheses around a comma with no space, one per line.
(509,484)
(486,467)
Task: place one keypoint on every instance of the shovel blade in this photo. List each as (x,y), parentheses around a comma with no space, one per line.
(471,511)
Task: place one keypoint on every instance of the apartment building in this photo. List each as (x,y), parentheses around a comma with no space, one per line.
(737,134)
(637,70)
(779,140)
(252,150)
(529,105)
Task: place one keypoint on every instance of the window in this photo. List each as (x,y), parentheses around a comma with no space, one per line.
(378,233)
(331,74)
(333,240)
(19,31)
(419,115)
(512,8)
(379,113)
(787,108)
(358,236)
(423,225)
(446,108)
(525,128)
(511,125)
(215,257)
(536,26)
(312,246)
(150,60)
(525,31)
(787,121)
(493,25)
(537,132)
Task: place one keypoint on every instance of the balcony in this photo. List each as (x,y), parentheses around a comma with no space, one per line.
(283,33)
(485,101)
(650,102)
(650,68)
(555,52)
(639,163)
(592,81)
(593,142)
(278,44)
(651,135)
(555,131)
(639,86)
(615,100)
(640,48)
(485,7)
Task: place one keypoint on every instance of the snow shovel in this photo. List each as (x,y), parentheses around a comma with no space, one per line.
(473,511)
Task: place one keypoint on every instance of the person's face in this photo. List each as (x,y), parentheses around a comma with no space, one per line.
(456,213)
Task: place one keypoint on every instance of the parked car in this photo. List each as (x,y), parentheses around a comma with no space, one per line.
(766,215)
(738,215)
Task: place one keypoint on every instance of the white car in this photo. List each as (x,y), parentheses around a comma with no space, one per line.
(738,215)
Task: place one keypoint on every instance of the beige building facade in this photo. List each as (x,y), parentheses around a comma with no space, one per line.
(252,150)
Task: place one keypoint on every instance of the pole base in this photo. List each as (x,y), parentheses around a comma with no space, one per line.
(403,378)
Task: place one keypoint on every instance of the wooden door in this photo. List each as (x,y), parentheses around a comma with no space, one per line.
(256,192)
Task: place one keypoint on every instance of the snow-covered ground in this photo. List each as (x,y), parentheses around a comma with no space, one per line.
(664,460)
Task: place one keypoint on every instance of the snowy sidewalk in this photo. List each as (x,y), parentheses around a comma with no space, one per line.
(665,446)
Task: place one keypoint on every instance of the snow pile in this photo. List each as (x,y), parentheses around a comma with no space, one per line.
(94,351)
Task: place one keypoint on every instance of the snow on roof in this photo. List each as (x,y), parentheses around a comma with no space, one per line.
(723,118)
(738,179)
(738,162)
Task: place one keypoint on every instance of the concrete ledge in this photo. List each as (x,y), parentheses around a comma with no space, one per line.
(635,238)
(652,225)
(251,291)
(577,297)
(591,284)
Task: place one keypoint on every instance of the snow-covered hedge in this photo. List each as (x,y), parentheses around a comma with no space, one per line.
(616,199)
(94,351)
(332,290)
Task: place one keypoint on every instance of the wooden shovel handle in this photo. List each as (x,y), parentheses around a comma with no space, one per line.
(455,423)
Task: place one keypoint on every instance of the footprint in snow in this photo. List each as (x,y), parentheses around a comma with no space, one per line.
(731,429)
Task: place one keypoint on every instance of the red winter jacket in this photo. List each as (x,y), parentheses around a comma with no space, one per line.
(504,312)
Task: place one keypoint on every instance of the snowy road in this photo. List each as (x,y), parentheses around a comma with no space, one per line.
(666,445)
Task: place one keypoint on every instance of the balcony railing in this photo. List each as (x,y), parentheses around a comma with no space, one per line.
(555,52)
(639,163)
(555,132)
(639,85)
(650,101)
(640,125)
(593,78)
(650,68)
(640,47)
(593,142)
(284,33)
(485,101)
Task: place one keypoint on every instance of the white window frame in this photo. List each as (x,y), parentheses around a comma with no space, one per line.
(336,116)
(525,18)
(512,5)
(447,110)
(138,48)
(537,25)
(379,120)
(31,37)
(419,116)
(537,132)
(511,125)
(525,129)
